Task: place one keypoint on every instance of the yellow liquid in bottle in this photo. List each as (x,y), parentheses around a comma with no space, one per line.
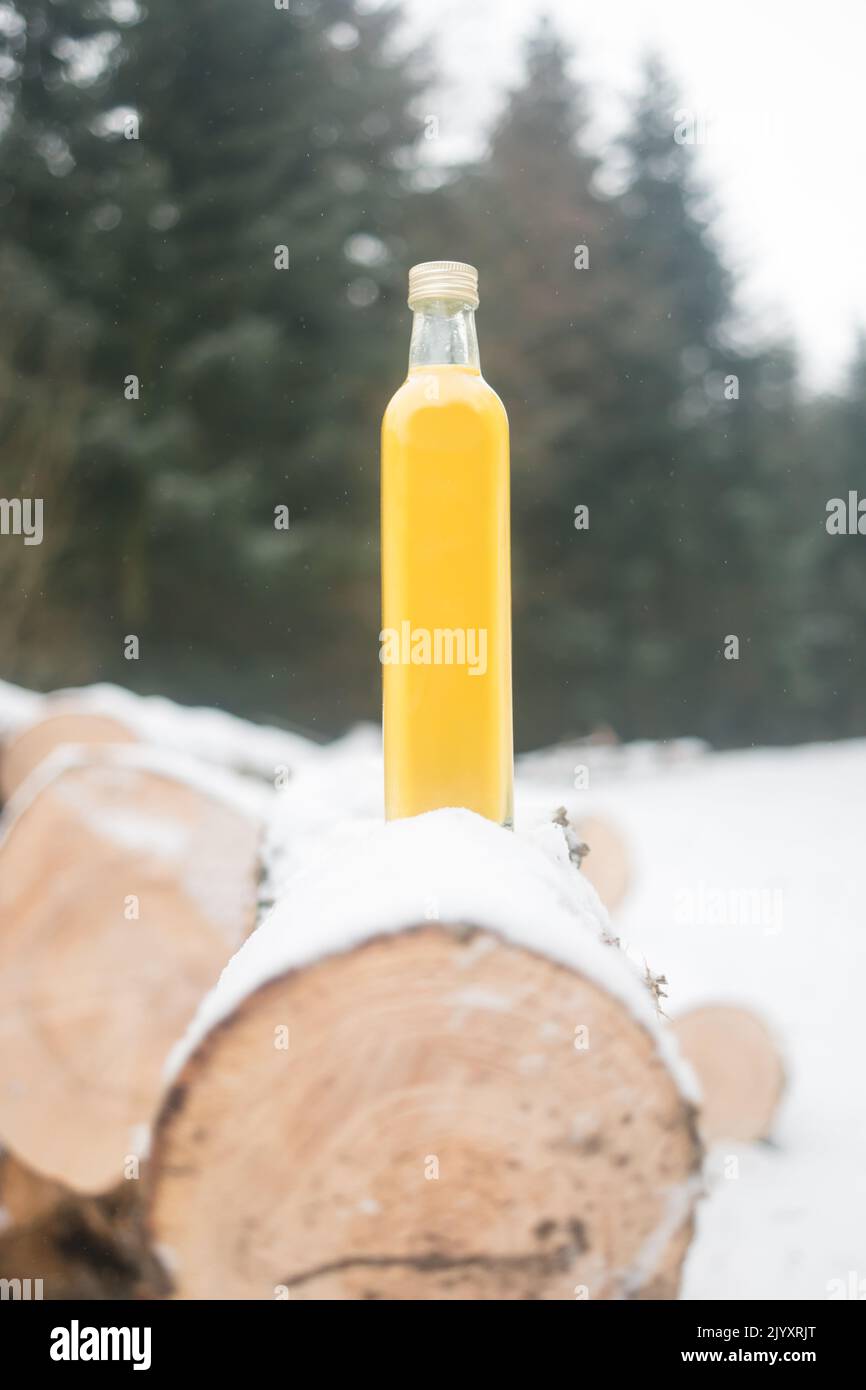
(446,595)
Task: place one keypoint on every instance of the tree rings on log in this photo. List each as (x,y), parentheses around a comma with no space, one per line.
(739,1067)
(122,895)
(435,1114)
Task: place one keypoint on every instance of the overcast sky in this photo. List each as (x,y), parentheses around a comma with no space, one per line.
(780,83)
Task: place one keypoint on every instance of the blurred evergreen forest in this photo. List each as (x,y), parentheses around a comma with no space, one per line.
(154,257)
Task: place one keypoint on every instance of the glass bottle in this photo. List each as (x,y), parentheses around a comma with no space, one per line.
(445,644)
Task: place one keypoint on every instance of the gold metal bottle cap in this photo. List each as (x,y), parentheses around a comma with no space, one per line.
(443,280)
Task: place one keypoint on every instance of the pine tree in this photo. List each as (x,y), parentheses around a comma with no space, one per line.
(703,460)
(544,234)
(58,65)
(257,387)
(275,130)
(620,379)
(834,608)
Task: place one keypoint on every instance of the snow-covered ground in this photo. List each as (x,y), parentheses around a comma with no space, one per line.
(748,889)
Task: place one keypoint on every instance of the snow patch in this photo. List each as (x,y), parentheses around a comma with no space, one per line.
(244,795)
(209,734)
(364,879)
(18,707)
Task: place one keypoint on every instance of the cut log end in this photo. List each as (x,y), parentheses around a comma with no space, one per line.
(739,1067)
(607,864)
(413,1120)
(122,895)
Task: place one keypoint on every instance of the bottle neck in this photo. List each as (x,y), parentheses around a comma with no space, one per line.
(443,334)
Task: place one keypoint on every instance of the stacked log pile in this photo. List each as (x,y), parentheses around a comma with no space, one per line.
(429,1072)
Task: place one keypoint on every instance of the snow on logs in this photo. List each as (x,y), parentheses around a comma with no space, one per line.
(38,725)
(35,727)
(429,1074)
(598,849)
(27,749)
(124,889)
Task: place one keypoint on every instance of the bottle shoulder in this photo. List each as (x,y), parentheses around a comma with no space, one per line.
(427,387)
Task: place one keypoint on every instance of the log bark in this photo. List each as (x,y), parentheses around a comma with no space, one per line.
(123,893)
(431,1131)
(77,1247)
(25,1196)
